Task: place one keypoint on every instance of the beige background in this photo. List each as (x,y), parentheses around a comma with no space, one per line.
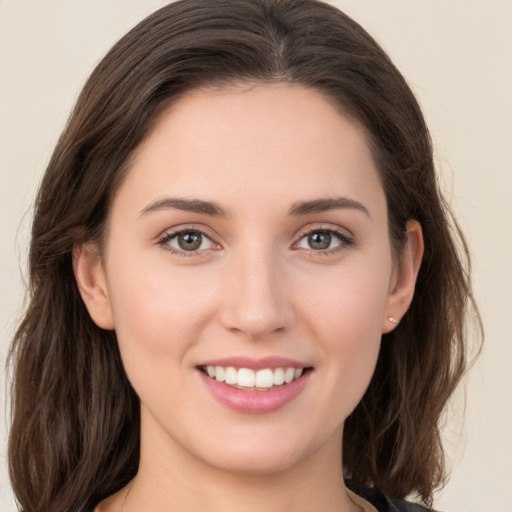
(457,55)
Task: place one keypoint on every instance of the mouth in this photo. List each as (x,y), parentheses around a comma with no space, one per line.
(263,379)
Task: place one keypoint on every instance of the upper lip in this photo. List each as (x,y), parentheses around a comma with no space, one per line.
(255,363)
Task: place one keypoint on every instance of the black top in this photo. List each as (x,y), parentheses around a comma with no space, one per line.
(381,502)
(373,496)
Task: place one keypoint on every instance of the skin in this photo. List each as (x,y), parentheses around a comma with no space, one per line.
(254,288)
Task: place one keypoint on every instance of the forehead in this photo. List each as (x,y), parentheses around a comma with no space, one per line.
(258,141)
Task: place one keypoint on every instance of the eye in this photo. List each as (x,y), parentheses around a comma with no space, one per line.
(189,240)
(323,240)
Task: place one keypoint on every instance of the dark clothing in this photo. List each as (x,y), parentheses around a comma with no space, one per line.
(381,502)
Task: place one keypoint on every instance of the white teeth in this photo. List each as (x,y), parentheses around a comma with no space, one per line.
(247,378)
(278,376)
(230,376)
(289,374)
(264,378)
(219,373)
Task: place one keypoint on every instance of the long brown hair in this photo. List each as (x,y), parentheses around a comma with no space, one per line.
(75,424)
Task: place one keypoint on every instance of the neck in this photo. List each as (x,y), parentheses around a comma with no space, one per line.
(171,479)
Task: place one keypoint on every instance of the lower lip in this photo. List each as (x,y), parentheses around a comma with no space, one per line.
(252,401)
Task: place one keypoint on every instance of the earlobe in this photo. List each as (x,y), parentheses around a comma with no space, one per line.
(404,281)
(90,278)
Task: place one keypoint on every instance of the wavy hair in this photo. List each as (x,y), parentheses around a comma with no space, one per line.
(75,429)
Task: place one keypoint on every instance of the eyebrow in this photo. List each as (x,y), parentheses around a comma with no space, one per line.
(323,205)
(211,208)
(188,205)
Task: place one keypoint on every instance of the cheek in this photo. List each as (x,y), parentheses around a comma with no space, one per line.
(158,310)
(344,316)
(348,303)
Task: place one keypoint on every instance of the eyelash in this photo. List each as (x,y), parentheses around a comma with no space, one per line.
(167,237)
(344,238)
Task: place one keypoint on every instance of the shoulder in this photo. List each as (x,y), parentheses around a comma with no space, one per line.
(382,503)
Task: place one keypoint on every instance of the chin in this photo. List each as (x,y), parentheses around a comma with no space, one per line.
(258,458)
(259,464)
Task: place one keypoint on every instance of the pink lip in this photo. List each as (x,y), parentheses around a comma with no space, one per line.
(255,364)
(252,401)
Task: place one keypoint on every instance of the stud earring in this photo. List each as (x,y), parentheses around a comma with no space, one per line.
(392,319)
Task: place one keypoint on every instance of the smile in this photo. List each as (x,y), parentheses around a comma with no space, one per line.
(254,386)
(263,379)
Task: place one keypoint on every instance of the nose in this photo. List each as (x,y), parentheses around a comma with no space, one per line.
(256,296)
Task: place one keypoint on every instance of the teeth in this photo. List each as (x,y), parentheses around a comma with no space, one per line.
(289,374)
(230,376)
(278,377)
(219,373)
(264,379)
(246,378)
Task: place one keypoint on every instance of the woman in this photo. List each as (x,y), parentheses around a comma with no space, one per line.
(244,285)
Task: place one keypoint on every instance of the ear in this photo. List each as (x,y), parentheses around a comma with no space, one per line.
(404,278)
(92,284)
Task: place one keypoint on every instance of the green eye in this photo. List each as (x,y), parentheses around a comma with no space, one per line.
(319,240)
(189,240)
(323,240)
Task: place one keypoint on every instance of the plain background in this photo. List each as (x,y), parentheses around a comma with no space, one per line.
(457,56)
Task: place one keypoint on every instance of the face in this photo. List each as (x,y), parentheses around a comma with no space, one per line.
(248,246)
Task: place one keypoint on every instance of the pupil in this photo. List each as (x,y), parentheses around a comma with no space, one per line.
(319,240)
(189,241)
